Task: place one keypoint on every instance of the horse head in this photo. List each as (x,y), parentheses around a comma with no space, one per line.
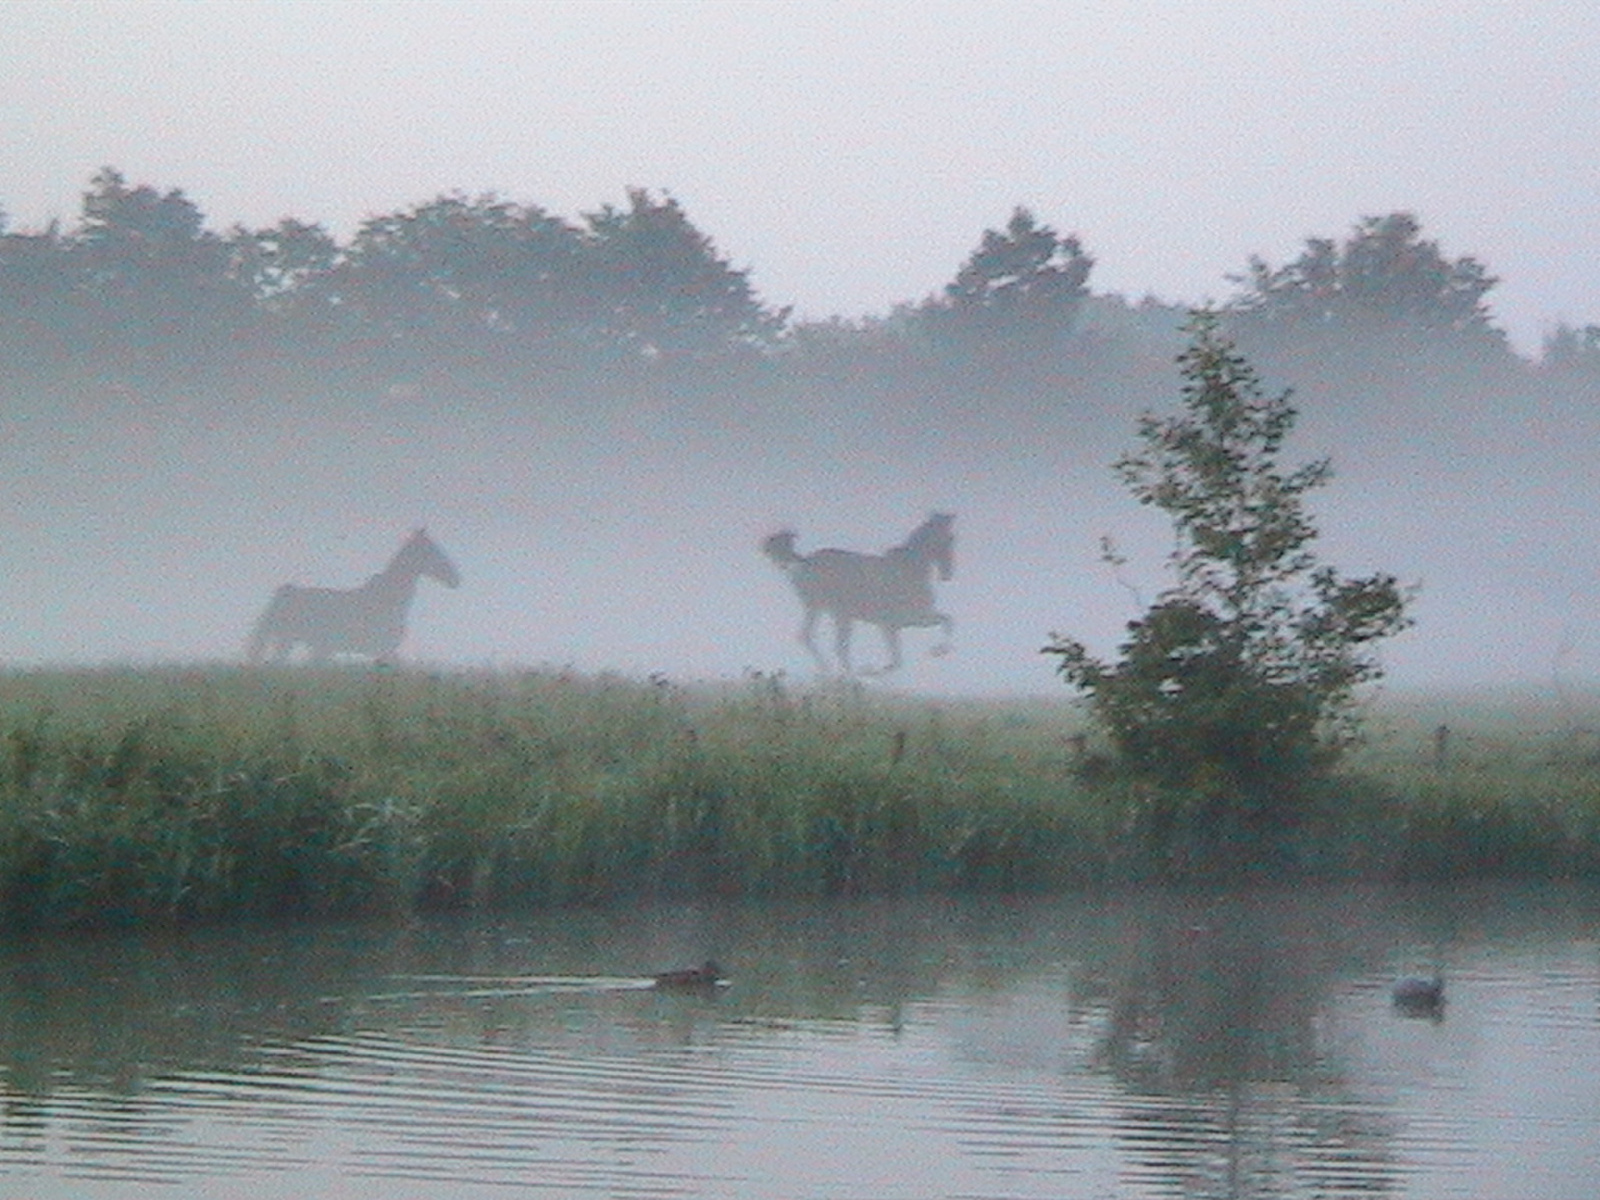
(779,547)
(935,542)
(422,556)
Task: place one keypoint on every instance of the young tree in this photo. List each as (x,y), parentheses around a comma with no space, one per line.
(1235,687)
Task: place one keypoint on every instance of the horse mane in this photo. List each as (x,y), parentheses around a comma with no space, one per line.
(934,531)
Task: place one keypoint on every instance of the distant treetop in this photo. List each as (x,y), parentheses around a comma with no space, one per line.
(1384,274)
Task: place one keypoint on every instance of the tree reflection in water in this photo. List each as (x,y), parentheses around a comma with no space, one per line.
(1215,1022)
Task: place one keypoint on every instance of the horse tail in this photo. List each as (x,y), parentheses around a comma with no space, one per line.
(261,631)
(257,645)
(779,547)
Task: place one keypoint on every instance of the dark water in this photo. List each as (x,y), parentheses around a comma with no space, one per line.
(1139,1045)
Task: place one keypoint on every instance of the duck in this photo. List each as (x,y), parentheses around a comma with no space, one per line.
(1418,997)
(707,974)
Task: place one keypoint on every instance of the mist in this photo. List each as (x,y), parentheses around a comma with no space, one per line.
(620,532)
(625,541)
(196,408)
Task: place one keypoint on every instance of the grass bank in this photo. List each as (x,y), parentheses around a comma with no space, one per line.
(133,796)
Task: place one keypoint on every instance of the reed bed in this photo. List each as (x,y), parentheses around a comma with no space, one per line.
(132,796)
(1487,783)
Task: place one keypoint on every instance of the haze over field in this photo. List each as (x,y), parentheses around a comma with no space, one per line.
(850,158)
(628,540)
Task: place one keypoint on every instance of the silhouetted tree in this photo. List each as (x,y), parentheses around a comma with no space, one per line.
(278,264)
(40,306)
(155,283)
(287,271)
(1385,278)
(1020,290)
(1572,351)
(457,277)
(665,291)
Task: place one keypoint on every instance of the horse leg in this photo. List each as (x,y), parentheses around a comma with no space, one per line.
(808,628)
(891,643)
(944,647)
(841,642)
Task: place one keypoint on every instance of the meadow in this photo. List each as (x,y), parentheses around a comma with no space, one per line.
(132,796)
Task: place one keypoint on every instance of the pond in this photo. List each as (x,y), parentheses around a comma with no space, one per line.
(1137,1044)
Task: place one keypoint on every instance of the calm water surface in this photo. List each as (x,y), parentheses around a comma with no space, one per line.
(1143,1044)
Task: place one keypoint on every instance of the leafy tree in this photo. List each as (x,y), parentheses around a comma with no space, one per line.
(1384,276)
(1235,687)
(1020,289)
(664,289)
(1570,351)
(287,272)
(278,265)
(154,281)
(456,275)
(40,317)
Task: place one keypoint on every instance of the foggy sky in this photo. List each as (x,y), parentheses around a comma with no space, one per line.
(851,154)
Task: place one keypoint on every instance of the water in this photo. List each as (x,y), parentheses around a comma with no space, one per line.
(1144,1044)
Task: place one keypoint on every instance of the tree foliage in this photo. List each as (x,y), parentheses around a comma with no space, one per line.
(1572,351)
(1384,275)
(1236,686)
(39,300)
(1020,289)
(484,292)
(454,281)
(152,279)
(664,288)
(280,264)
(455,276)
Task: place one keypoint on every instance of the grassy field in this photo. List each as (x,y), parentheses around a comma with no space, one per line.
(134,796)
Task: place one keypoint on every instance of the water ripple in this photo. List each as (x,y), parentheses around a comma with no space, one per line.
(1127,1079)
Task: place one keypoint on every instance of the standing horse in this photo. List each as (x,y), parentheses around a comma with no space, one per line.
(369,620)
(890,590)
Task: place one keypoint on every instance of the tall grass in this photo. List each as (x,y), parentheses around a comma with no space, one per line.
(137,795)
(132,796)
(1487,783)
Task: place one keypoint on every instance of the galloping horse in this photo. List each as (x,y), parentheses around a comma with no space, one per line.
(369,620)
(889,590)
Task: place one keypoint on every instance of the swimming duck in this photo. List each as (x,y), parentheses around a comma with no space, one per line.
(1417,997)
(707,974)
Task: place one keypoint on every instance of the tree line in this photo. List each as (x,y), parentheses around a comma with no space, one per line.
(494,289)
